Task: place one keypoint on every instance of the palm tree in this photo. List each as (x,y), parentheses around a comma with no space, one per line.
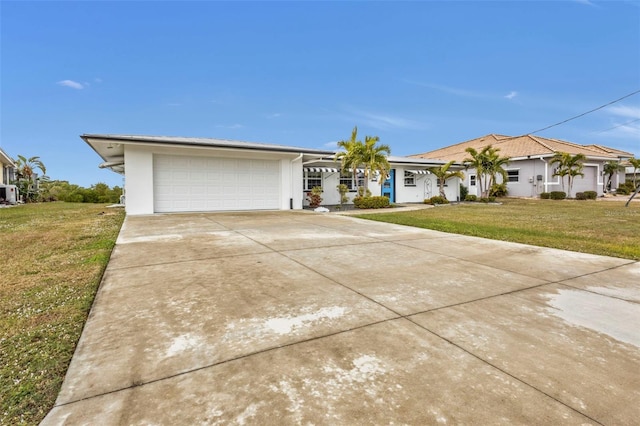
(444,174)
(635,163)
(351,155)
(370,155)
(488,164)
(568,165)
(374,158)
(26,177)
(610,168)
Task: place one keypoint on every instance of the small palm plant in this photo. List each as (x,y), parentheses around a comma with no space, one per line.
(444,174)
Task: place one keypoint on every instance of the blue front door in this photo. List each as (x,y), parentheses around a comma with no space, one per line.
(389,186)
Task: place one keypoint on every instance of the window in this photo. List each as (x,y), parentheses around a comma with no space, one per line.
(409,179)
(312,179)
(513,175)
(346,178)
(472,180)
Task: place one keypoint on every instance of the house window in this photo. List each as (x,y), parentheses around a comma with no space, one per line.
(409,179)
(312,179)
(346,178)
(513,175)
(472,180)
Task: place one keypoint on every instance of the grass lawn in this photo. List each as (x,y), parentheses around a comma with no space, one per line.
(599,227)
(53,257)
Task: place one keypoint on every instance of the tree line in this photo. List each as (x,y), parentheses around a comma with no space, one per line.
(39,188)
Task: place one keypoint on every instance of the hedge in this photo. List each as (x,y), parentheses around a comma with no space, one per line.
(377,202)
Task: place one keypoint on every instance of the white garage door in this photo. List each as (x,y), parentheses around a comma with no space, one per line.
(189,184)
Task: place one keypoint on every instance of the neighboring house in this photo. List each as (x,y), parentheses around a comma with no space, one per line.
(529,170)
(174,174)
(8,191)
(8,168)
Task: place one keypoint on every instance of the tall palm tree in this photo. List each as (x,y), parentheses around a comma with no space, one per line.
(568,165)
(369,155)
(26,177)
(635,163)
(444,174)
(610,168)
(351,155)
(488,164)
(374,158)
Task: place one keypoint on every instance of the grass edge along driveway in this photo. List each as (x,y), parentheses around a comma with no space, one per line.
(54,256)
(599,227)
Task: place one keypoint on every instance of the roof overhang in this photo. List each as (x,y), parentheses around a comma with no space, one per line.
(5,159)
(111,147)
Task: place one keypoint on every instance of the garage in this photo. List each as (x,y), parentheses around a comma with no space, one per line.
(197,183)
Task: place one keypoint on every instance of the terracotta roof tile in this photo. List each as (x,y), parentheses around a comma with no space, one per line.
(520,146)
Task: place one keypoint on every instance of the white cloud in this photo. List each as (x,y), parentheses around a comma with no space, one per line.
(72,84)
(97,80)
(452,90)
(511,94)
(232,126)
(625,111)
(382,121)
(331,145)
(274,115)
(585,2)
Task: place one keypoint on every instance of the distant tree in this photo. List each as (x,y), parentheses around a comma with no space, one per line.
(568,165)
(443,174)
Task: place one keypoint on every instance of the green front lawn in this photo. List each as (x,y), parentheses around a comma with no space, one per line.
(53,257)
(599,227)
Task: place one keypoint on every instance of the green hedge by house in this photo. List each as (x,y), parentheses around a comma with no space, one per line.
(436,200)
(377,202)
(557,195)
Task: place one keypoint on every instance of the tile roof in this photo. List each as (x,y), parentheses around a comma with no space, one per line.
(522,146)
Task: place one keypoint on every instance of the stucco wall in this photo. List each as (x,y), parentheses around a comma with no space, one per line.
(139,173)
(529,185)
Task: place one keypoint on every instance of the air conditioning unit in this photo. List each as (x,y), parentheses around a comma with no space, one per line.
(8,194)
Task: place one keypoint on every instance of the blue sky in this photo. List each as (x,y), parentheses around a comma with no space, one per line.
(420,75)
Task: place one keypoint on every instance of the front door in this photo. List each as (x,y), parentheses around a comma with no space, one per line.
(389,187)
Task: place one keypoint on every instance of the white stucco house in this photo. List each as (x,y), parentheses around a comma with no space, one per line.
(8,191)
(177,174)
(529,170)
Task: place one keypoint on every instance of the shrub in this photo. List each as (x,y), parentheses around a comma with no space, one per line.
(377,202)
(361,192)
(622,190)
(545,195)
(498,190)
(591,195)
(463,192)
(342,190)
(436,200)
(471,197)
(580,196)
(314,197)
(557,195)
(488,199)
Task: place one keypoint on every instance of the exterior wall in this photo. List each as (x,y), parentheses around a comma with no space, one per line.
(425,187)
(530,185)
(139,173)
(139,182)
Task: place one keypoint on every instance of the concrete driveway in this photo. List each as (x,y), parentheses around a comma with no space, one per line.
(303,318)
